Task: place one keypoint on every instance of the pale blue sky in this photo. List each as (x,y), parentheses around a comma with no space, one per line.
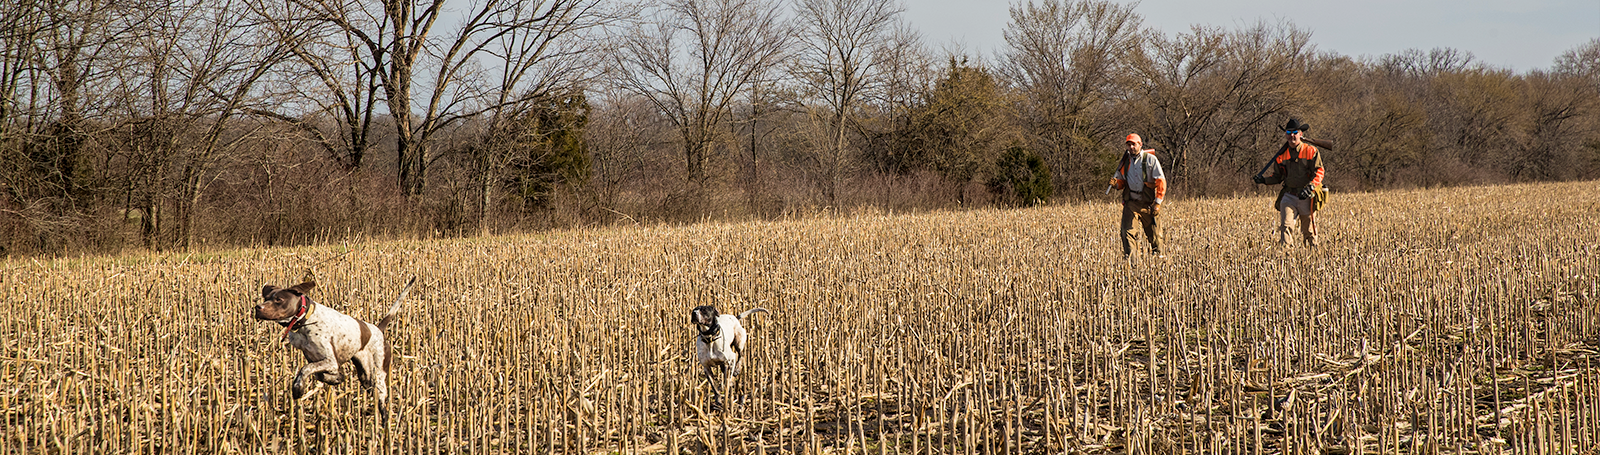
(1518,34)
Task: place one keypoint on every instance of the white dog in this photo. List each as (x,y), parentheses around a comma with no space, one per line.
(721,339)
(329,338)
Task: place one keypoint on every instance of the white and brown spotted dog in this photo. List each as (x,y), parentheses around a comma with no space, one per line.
(721,339)
(329,338)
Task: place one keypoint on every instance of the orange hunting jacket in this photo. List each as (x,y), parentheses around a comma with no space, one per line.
(1297,167)
(1154,178)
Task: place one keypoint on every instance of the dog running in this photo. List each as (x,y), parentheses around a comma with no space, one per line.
(329,338)
(720,340)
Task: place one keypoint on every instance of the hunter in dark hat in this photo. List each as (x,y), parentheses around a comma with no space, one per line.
(1298,166)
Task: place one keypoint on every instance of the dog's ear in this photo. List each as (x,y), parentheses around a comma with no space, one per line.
(304,288)
(266,291)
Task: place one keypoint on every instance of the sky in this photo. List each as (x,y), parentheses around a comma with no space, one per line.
(1519,35)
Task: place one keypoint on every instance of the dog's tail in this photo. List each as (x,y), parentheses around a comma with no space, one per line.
(751,311)
(383,324)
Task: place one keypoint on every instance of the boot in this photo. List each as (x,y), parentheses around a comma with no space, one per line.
(1311,240)
(1283,235)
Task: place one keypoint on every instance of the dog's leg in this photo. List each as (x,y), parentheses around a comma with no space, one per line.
(380,390)
(377,380)
(727,382)
(331,377)
(370,365)
(323,367)
(712,382)
(360,362)
(710,370)
(297,388)
(326,371)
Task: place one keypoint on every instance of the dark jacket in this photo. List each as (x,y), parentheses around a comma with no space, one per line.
(1295,168)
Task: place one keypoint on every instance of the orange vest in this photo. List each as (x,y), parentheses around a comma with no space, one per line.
(1300,167)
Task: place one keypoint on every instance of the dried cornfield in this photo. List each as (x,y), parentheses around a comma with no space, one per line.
(1445,321)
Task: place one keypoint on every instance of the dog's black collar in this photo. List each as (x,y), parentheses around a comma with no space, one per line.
(710,332)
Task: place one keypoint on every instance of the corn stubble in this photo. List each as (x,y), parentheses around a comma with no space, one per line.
(1461,321)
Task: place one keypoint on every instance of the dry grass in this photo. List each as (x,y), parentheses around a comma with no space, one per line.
(1459,321)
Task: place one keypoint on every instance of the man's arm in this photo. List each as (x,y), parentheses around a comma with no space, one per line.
(1157,177)
(1119,180)
(1316,180)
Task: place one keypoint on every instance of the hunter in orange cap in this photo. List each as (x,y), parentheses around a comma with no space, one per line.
(1143,187)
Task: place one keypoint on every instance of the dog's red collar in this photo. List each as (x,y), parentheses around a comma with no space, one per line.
(298,320)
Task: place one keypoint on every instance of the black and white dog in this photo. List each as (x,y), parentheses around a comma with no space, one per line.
(720,340)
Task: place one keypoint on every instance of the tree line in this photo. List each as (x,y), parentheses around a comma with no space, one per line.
(172,124)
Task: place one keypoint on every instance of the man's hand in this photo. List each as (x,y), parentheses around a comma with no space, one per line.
(1155,209)
(1259,179)
(1306,192)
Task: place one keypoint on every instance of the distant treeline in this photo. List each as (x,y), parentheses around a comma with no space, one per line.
(173,124)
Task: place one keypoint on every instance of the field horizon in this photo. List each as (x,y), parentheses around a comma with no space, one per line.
(1462,320)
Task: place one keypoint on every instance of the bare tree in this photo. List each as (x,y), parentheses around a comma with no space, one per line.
(546,69)
(431,80)
(1582,63)
(75,44)
(1208,95)
(22,105)
(1380,128)
(837,64)
(1416,63)
(693,60)
(1557,107)
(230,58)
(333,85)
(186,80)
(1067,56)
(59,61)
(19,29)
(909,71)
(622,128)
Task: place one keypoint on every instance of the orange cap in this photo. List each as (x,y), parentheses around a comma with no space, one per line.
(1135,138)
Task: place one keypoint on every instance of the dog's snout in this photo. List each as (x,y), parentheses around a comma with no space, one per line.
(262,311)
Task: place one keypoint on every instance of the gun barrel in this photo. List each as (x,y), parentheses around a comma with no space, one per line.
(1324,143)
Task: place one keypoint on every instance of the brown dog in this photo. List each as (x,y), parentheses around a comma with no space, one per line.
(329,338)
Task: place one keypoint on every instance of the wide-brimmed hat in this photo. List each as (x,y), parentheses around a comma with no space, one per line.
(1295,125)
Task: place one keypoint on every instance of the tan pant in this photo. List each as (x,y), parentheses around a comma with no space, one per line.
(1291,207)
(1151,222)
